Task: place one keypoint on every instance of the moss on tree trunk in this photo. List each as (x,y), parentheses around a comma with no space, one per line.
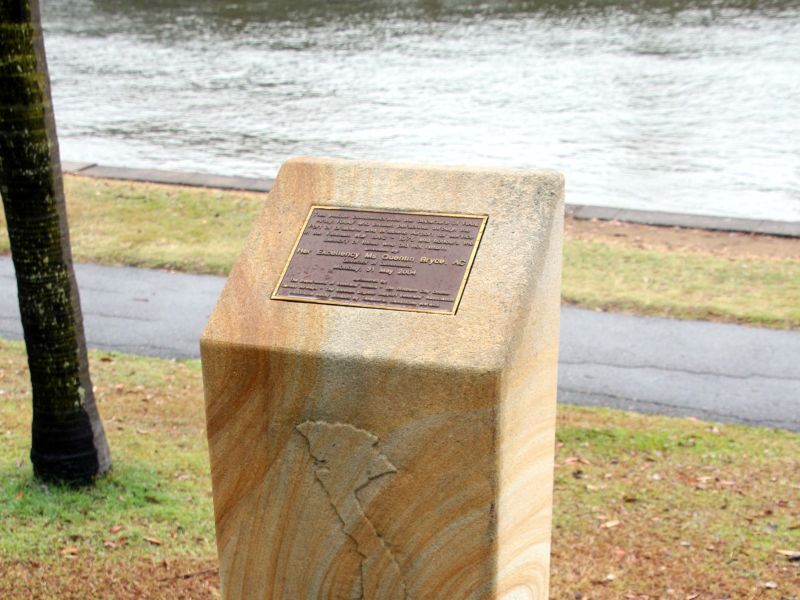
(68,441)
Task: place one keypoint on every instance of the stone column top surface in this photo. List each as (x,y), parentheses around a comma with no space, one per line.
(521,206)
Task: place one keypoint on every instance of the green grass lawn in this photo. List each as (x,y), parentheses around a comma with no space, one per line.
(643,505)
(683,285)
(202,231)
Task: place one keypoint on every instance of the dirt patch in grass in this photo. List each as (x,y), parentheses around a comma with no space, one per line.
(645,507)
(678,239)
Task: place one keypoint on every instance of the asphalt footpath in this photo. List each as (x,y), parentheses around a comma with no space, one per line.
(712,371)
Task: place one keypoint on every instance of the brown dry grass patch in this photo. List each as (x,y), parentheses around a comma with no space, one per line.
(82,578)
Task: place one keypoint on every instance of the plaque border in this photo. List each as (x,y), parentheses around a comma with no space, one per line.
(484,219)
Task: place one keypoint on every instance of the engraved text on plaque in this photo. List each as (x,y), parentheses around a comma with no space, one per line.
(382,259)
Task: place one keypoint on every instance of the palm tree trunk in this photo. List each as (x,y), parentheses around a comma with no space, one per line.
(68,441)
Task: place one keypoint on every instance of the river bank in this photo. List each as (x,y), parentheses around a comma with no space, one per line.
(575,211)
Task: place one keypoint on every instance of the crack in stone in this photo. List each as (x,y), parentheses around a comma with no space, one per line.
(346,461)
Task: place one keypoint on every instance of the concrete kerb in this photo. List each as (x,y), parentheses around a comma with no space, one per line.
(205,180)
(578,211)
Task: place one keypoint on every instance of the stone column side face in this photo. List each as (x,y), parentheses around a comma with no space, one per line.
(368,453)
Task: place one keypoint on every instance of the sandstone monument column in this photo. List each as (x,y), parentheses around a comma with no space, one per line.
(380,381)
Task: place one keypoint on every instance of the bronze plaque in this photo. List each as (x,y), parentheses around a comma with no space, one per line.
(382,259)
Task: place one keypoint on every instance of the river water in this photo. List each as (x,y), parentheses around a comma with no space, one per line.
(680,105)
